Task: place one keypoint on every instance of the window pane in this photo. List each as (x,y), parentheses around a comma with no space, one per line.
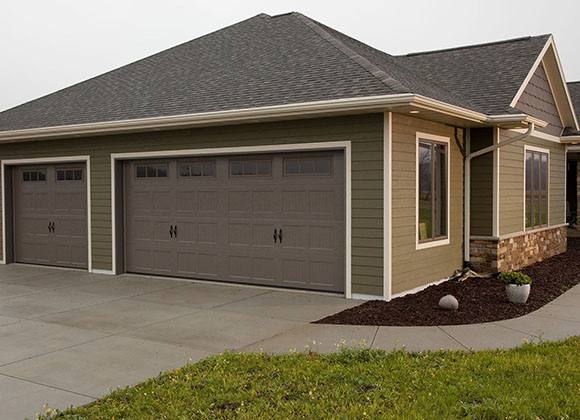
(209,169)
(440,191)
(323,166)
(162,172)
(78,174)
(41,175)
(264,167)
(34,176)
(184,170)
(529,189)
(307,166)
(292,166)
(425,191)
(26,176)
(536,186)
(150,172)
(141,171)
(236,168)
(544,189)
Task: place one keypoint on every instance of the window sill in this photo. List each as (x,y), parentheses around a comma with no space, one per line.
(432,244)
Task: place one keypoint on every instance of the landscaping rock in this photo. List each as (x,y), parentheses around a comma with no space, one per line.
(449,303)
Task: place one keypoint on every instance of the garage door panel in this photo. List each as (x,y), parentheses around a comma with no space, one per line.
(226,221)
(50,215)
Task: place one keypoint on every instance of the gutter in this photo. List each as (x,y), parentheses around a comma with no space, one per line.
(467,184)
(269,113)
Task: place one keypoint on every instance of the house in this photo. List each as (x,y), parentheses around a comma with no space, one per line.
(280,152)
(572,138)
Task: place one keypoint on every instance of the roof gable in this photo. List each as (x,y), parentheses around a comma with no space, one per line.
(538,101)
(574,89)
(549,60)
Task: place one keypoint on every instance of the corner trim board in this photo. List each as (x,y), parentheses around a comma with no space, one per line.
(223,151)
(387,205)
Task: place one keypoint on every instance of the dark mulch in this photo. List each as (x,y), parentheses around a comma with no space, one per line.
(480,300)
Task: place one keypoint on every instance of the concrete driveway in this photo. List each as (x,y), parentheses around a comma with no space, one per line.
(68,337)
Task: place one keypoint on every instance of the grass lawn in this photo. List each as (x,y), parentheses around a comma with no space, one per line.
(533,381)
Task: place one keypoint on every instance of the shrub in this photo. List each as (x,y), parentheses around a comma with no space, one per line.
(514,277)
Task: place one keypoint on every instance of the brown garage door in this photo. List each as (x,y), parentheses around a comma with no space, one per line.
(270,219)
(50,215)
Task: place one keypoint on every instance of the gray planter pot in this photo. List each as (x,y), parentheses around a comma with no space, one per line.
(516,293)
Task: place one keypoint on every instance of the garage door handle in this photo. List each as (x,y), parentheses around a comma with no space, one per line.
(275,235)
(280,236)
(175,231)
(171,231)
(49,227)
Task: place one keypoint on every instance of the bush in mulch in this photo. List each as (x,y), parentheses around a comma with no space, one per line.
(480,300)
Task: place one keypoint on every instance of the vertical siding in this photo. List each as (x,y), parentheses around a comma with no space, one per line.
(537,100)
(364,131)
(410,267)
(511,193)
(481,183)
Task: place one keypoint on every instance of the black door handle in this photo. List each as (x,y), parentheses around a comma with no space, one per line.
(275,235)
(280,235)
(171,231)
(175,231)
(49,227)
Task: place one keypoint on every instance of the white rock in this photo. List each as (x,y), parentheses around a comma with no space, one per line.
(449,303)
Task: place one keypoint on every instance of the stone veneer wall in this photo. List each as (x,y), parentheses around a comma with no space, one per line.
(516,252)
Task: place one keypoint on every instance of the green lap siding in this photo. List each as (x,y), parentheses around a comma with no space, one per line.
(364,131)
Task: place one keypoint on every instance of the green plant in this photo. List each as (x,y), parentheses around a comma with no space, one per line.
(514,277)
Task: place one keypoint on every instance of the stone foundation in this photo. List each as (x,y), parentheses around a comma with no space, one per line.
(515,252)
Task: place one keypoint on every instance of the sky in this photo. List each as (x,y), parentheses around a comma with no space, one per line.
(49,45)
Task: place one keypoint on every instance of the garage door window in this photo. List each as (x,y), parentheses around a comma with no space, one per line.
(307,166)
(251,167)
(197,169)
(34,175)
(69,174)
(151,171)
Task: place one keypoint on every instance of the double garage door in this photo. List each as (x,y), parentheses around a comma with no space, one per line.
(50,215)
(269,219)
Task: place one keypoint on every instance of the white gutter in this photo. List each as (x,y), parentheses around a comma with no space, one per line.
(467,182)
(570,139)
(305,109)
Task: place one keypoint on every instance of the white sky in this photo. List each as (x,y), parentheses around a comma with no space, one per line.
(46,45)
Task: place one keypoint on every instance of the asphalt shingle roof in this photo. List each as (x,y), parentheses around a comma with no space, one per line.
(487,75)
(275,60)
(574,89)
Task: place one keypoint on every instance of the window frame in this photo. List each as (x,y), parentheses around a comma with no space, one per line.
(190,163)
(241,160)
(73,169)
(157,165)
(529,148)
(445,141)
(43,170)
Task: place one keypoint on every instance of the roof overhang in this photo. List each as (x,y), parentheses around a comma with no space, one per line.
(417,105)
(570,139)
(557,80)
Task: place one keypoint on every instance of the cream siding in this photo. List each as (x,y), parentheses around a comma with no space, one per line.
(511,189)
(481,183)
(412,268)
(364,131)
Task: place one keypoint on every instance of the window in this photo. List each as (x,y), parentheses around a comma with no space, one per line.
(197,169)
(307,166)
(536,188)
(151,171)
(250,167)
(34,175)
(69,174)
(432,190)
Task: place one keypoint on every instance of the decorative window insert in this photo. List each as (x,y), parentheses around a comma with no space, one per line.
(536,188)
(34,175)
(307,166)
(432,191)
(75,174)
(151,171)
(251,167)
(197,169)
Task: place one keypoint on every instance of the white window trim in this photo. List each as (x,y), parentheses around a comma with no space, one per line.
(50,160)
(440,242)
(540,150)
(279,148)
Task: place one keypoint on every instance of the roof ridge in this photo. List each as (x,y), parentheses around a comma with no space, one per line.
(465,47)
(367,65)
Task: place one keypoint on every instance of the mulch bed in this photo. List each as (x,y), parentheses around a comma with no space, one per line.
(480,300)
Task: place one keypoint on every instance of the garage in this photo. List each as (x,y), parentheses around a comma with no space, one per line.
(50,215)
(269,219)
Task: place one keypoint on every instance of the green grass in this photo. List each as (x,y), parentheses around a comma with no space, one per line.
(533,381)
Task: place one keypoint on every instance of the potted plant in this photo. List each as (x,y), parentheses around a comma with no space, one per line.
(517,286)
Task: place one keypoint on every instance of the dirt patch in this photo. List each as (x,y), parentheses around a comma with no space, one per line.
(480,300)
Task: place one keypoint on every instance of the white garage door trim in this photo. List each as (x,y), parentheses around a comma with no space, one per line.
(279,148)
(45,160)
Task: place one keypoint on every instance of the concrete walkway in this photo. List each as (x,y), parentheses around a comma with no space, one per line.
(68,337)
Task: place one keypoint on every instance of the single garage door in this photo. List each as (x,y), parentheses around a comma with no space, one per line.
(270,219)
(50,215)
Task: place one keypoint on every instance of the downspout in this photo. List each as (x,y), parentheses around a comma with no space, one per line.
(467,183)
